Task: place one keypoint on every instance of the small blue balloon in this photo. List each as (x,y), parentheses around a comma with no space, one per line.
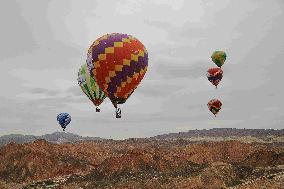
(63,119)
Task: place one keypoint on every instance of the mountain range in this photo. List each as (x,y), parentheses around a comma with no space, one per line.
(56,137)
(259,135)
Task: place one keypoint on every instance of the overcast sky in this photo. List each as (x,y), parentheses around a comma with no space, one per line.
(43,44)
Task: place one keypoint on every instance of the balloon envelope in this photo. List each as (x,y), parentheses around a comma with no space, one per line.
(215,75)
(63,119)
(118,62)
(219,58)
(214,106)
(89,86)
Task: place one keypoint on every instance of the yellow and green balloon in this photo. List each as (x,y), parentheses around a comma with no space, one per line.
(219,58)
(90,87)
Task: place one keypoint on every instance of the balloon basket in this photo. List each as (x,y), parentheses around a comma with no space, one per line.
(118,113)
(98,109)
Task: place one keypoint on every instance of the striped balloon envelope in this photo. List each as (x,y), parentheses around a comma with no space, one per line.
(90,87)
(118,62)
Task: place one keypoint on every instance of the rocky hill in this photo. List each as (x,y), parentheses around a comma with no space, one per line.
(140,163)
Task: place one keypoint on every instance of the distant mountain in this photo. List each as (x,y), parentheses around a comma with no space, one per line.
(257,135)
(223,132)
(16,138)
(57,137)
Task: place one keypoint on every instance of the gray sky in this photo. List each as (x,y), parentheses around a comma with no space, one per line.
(43,44)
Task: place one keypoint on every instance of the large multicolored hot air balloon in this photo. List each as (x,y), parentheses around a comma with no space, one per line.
(90,87)
(215,75)
(219,58)
(214,106)
(63,119)
(118,62)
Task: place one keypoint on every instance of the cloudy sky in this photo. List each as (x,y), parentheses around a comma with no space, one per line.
(43,44)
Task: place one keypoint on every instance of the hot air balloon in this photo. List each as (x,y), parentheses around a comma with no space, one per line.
(219,57)
(214,106)
(63,119)
(214,75)
(90,87)
(118,62)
